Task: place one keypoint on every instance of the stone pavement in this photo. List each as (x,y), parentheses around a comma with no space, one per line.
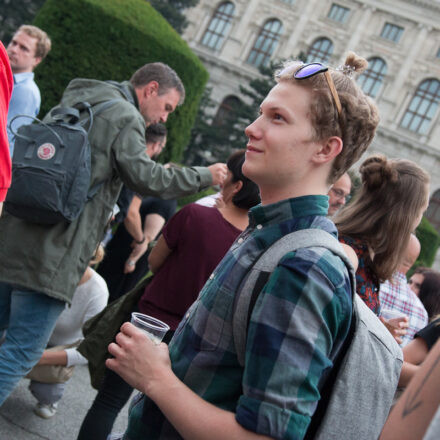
(18,422)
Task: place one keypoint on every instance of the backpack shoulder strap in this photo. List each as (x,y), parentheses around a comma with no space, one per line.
(266,263)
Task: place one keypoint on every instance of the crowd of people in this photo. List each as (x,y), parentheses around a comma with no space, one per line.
(293,175)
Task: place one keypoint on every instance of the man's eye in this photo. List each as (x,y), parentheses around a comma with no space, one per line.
(278,117)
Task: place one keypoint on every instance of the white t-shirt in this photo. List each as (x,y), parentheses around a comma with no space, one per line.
(88,300)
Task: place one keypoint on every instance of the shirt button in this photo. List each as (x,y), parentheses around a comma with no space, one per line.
(240,240)
(259,226)
(187,315)
(211,277)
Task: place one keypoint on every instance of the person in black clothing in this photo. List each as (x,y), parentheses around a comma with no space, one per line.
(120,247)
(139,222)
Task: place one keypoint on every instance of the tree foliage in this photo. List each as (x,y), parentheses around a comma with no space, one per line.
(172,11)
(14,13)
(111,39)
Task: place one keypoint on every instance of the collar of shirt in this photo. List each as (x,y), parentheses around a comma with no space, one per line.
(21,77)
(276,213)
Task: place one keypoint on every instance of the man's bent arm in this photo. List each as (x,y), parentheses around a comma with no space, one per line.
(193,417)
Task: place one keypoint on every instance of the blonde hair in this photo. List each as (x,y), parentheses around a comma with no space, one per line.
(43,41)
(384,210)
(359,116)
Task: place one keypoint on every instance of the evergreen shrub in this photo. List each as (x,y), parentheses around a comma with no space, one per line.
(111,39)
(429,240)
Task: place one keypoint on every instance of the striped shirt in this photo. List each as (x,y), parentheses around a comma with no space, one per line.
(301,317)
(397,295)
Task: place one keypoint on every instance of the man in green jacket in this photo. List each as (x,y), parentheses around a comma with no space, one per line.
(41,265)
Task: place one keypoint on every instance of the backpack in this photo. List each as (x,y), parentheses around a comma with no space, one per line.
(51,166)
(357,394)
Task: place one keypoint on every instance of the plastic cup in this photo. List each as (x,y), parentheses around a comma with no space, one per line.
(391,314)
(154,328)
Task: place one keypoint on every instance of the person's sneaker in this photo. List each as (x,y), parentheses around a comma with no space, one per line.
(45,411)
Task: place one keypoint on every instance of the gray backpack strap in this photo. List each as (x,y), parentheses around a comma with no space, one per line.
(267,262)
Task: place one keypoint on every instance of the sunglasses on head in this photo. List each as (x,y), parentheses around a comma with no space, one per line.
(312,69)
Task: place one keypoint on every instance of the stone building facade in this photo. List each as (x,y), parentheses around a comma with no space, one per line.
(400,39)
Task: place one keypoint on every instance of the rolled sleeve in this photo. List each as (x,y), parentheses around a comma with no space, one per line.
(297,318)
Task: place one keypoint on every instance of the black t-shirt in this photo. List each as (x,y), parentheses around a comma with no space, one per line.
(430,333)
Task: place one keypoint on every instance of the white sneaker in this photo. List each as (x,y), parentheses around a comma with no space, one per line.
(45,411)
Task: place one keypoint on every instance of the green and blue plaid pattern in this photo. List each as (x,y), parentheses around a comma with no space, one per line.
(300,319)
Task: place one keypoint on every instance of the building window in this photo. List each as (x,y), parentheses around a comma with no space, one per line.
(392,32)
(433,212)
(320,51)
(371,80)
(338,13)
(422,107)
(265,43)
(226,110)
(289,2)
(219,26)
(438,53)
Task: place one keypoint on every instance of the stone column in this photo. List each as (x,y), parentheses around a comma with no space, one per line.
(242,25)
(366,12)
(408,64)
(295,37)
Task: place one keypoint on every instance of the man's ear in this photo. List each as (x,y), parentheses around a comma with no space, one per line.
(328,150)
(151,88)
(37,60)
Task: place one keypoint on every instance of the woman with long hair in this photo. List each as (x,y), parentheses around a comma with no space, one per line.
(378,223)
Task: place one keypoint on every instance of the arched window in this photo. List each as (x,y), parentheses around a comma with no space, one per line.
(265,43)
(433,212)
(226,110)
(320,51)
(371,80)
(422,108)
(218,26)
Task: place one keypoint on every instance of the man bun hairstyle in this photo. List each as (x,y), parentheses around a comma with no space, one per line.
(43,41)
(359,118)
(163,74)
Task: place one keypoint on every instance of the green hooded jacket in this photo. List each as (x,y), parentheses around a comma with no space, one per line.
(51,259)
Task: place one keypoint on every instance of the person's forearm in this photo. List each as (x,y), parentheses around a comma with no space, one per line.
(193,417)
(413,412)
(133,224)
(153,225)
(407,373)
(53,358)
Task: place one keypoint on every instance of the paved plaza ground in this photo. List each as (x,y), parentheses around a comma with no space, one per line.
(18,422)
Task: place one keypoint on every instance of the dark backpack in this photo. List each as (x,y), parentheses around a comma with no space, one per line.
(51,166)
(357,394)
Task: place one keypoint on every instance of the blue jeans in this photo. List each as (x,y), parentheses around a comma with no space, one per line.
(29,318)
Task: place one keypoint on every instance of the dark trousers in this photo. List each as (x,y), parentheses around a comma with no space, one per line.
(111,398)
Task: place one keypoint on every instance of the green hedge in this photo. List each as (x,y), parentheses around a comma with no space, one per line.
(110,39)
(429,240)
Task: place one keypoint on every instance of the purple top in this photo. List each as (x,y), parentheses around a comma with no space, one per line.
(199,237)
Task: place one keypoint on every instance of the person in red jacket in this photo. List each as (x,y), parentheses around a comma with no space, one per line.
(5,96)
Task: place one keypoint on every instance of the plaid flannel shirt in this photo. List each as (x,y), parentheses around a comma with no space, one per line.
(301,317)
(397,295)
